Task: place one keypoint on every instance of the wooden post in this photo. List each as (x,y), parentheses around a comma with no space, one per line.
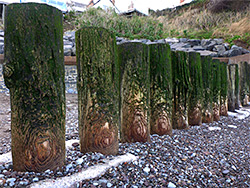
(161,97)
(224,86)
(244,84)
(207,107)
(195,97)
(34,73)
(98,94)
(135,88)
(237,88)
(231,79)
(216,89)
(181,88)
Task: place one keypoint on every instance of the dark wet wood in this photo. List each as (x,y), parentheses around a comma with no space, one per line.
(98,93)
(207,103)
(161,96)
(181,88)
(135,88)
(34,73)
(195,93)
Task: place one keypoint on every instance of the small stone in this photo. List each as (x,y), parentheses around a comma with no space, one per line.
(109,184)
(95,184)
(146,169)
(171,185)
(47,171)
(79,161)
(24,183)
(9,180)
(69,166)
(228,181)
(233,167)
(225,172)
(36,179)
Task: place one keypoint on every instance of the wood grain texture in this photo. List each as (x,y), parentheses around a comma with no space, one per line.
(161,96)
(34,73)
(98,83)
(134,92)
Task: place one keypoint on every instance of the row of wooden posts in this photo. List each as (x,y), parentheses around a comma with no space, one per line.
(132,89)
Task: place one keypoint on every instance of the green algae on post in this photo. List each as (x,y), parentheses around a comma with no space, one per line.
(207,104)
(135,90)
(216,88)
(181,89)
(97,84)
(34,74)
(161,97)
(195,94)
(224,91)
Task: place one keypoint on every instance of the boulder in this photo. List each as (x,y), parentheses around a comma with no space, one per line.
(177,46)
(220,49)
(194,42)
(218,41)
(205,42)
(171,40)
(234,52)
(67,50)
(227,46)
(208,53)
(67,42)
(183,39)
(198,48)
(161,41)
(210,45)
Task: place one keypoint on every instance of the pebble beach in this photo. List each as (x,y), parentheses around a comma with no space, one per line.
(211,155)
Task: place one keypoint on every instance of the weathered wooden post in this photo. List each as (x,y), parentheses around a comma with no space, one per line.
(135,88)
(161,97)
(181,88)
(244,84)
(34,73)
(207,107)
(98,79)
(224,86)
(216,89)
(195,97)
(237,88)
(231,79)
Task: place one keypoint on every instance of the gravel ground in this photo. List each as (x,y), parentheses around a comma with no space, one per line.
(198,157)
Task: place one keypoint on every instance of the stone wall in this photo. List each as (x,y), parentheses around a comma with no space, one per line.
(70,79)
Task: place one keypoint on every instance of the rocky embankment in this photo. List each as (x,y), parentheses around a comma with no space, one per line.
(211,47)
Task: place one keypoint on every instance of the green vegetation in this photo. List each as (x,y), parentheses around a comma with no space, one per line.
(195,20)
(135,27)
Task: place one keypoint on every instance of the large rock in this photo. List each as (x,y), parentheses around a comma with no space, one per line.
(198,48)
(194,42)
(177,46)
(208,53)
(67,50)
(234,52)
(218,41)
(220,49)
(172,40)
